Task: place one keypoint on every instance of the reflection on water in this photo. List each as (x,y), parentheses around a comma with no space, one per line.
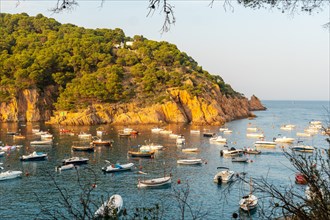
(18,197)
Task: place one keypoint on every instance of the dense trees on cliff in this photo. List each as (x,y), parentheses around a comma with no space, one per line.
(93,66)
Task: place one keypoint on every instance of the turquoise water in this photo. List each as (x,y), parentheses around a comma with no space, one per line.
(19,197)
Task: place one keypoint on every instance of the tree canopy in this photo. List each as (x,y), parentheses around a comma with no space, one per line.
(93,65)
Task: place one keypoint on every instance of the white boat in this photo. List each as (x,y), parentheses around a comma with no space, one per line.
(34,156)
(224,176)
(165,132)
(255,135)
(249,202)
(231,152)
(190,161)
(288,127)
(65,167)
(195,149)
(156,130)
(252,129)
(151,147)
(46,136)
(311,130)
(303,134)
(284,140)
(265,144)
(10,174)
(315,123)
(157,182)
(2,153)
(42,142)
(223,129)
(218,139)
(75,160)
(111,168)
(195,131)
(227,131)
(111,208)
(174,135)
(303,148)
(84,135)
(180,140)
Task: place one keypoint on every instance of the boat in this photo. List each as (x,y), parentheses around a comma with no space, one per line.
(301,179)
(75,160)
(174,136)
(252,129)
(46,136)
(123,134)
(303,148)
(227,131)
(156,130)
(180,140)
(240,159)
(34,156)
(2,153)
(18,136)
(284,140)
(84,135)
(255,135)
(288,127)
(208,134)
(232,152)
(249,202)
(165,132)
(111,168)
(195,131)
(111,208)
(100,142)
(224,176)
(195,149)
(251,151)
(10,174)
(218,139)
(223,129)
(303,134)
(157,182)
(190,161)
(77,146)
(265,144)
(65,167)
(149,154)
(42,142)
(152,146)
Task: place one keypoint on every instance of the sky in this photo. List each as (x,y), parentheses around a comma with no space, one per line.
(273,55)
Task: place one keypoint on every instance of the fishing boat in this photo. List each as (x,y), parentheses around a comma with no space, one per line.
(190,161)
(65,167)
(111,208)
(154,183)
(232,152)
(300,179)
(42,142)
(146,154)
(224,176)
(75,160)
(10,174)
(111,168)
(249,202)
(265,144)
(218,139)
(190,149)
(34,156)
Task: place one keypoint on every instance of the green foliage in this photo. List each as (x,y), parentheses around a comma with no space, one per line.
(90,66)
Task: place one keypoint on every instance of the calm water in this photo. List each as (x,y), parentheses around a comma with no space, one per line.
(19,197)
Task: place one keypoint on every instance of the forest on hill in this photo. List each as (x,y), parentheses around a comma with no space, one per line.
(89,66)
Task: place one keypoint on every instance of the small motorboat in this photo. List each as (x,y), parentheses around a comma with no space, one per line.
(265,144)
(156,130)
(65,167)
(42,142)
(153,183)
(288,127)
(255,135)
(150,147)
(300,179)
(75,160)
(251,129)
(111,168)
(149,154)
(34,156)
(208,134)
(111,208)
(10,174)
(190,161)
(248,203)
(232,152)
(284,140)
(224,176)
(84,135)
(251,151)
(18,136)
(303,148)
(46,136)
(100,142)
(90,147)
(195,131)
(303,134)
(218,139)
(195,149)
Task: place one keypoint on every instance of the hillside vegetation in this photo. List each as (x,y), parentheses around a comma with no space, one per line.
(89,66)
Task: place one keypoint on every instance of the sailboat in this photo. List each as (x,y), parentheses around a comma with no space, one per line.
(249,202)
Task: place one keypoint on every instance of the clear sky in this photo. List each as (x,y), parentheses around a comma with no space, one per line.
(272,55)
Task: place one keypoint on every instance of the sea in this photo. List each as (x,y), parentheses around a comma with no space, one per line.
(39,193)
